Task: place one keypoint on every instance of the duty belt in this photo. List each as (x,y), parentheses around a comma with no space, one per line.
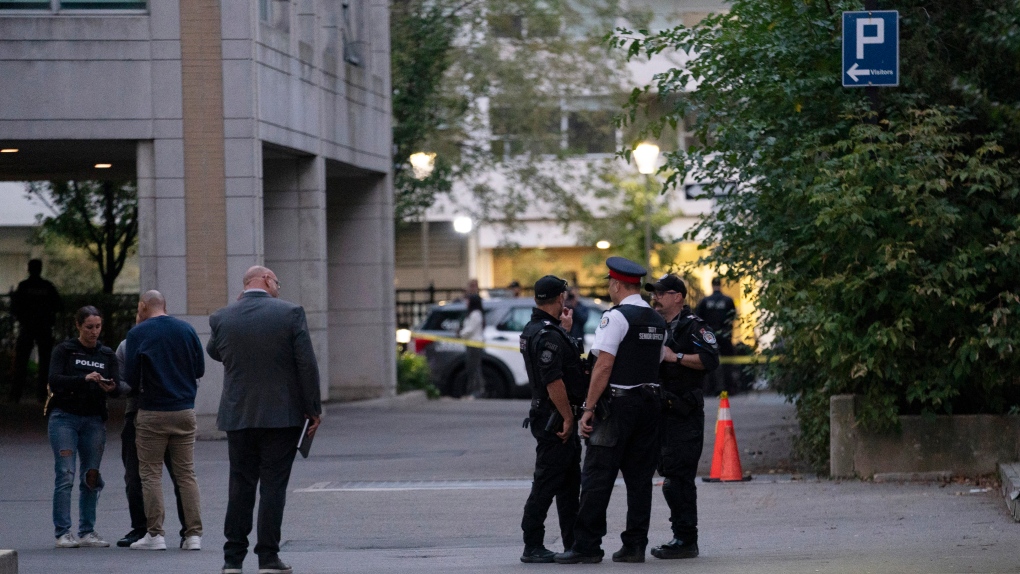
(618,392)
(543,403)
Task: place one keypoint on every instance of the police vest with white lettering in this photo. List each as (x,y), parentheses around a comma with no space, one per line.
(637,359)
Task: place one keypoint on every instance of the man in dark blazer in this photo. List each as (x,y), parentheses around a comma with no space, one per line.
(270,386)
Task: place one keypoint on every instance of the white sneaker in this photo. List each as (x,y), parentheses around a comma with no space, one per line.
(150,542)
(92,540)
(192,543)
(67,540)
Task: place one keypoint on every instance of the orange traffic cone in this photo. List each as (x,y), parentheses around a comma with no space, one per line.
(726,457)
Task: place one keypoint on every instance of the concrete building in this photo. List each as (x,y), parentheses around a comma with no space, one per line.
(258,132)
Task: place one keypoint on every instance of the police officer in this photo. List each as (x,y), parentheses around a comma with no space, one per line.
(691,351)
(35,305)
(620,419)
(719,311)
(558,384)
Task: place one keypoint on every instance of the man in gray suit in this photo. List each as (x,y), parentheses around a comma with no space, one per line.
(270,386)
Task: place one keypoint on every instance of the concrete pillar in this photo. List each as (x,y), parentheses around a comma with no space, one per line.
(295,242)
(8,562)
(362,324)
(842,436)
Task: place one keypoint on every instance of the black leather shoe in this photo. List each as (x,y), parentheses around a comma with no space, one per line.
(575,557)
(537,555)
(629,554)
(676,548)
(275,567)
(130,538)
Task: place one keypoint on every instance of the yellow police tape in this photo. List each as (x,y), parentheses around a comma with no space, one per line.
(732,360)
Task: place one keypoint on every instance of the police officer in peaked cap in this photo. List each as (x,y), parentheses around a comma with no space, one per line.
(558,386)
(691,351)
(620,419)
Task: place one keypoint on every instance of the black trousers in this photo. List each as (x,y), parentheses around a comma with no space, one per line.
(635,454)
(259,457)
(557,476)
(133,482)
(28,338)
(683,439)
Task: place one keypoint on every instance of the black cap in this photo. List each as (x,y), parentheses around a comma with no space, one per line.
(668,282)
(623,269)
(549,287)
(514,284)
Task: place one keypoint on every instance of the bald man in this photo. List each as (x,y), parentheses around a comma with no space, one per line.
(164,362)
(270,388)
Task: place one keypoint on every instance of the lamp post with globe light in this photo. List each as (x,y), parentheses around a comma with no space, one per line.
(646,156)
(422,165)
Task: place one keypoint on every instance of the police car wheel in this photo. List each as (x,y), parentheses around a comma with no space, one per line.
(496,385)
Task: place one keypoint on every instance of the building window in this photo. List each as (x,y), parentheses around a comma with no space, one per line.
(580,128)
(590,132)
(56,5)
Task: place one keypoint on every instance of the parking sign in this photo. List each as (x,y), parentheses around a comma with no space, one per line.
(871,48)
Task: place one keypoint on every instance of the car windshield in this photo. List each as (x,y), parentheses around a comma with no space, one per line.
(446,319)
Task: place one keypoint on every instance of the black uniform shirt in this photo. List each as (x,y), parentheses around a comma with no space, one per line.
(550,354)
(688,334)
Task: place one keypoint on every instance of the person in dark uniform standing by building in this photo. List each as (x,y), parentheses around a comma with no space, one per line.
(719,312)
(620,419)
(558,385)
(690,352)
(35,304)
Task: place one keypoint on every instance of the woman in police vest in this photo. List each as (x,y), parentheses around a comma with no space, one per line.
(82,374)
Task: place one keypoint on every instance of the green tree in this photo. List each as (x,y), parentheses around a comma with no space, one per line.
(100,217)
(882,232)
(487,85)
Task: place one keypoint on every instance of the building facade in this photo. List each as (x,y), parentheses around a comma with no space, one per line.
(258,132)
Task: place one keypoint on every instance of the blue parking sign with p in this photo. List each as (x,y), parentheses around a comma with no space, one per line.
(871,48)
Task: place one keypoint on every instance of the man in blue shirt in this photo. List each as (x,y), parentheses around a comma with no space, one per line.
(164,362)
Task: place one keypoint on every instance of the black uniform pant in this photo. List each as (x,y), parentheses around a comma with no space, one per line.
(28,338)
(557,475)
(683,438)
(133,482)
(635,454)
(259,457)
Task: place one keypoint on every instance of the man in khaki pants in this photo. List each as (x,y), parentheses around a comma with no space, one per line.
(164,362)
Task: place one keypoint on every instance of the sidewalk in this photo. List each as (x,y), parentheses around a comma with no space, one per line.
(374,497)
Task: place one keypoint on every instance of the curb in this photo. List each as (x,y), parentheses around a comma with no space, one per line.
(8,562)
(1009,476)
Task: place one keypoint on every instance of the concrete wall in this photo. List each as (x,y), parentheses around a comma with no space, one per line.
(966,445)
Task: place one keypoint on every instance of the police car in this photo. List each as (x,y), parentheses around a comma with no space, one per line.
(502,364)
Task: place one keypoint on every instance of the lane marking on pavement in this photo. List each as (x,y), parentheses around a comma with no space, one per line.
(481,484)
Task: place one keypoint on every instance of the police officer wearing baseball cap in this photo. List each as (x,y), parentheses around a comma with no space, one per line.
(558,386)
(623,435)
(691,351)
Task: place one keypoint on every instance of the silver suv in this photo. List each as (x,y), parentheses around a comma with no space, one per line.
(502,364)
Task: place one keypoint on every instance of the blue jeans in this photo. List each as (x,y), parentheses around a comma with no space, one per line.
(71,436)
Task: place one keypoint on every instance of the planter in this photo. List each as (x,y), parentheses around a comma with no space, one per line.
(924,447)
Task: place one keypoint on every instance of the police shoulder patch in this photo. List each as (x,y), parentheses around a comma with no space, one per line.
(546,357)
(604,322)
(709,336)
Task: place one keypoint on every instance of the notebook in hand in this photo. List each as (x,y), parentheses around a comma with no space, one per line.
(304,444)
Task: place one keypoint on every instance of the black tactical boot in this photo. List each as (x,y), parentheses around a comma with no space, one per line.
(676,548)
(575,557)
(629,554)
(537,555)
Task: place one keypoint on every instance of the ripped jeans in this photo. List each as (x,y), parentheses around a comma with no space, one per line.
(74,436)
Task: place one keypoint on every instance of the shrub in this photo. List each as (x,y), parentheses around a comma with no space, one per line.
(413,374)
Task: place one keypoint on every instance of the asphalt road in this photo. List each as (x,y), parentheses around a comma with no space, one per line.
(438,487)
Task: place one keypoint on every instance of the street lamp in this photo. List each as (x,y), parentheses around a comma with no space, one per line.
(646,156)
(422,165)
(462,224)
(603,244)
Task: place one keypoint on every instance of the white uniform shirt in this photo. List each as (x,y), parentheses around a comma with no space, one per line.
(613,328)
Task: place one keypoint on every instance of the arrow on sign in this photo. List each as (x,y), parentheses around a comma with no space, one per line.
(854,71)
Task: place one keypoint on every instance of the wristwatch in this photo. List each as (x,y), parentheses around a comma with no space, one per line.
(679,357)
(584,407)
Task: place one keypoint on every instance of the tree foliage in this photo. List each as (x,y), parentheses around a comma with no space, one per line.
(100,217)
(882,232)
(484,84)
